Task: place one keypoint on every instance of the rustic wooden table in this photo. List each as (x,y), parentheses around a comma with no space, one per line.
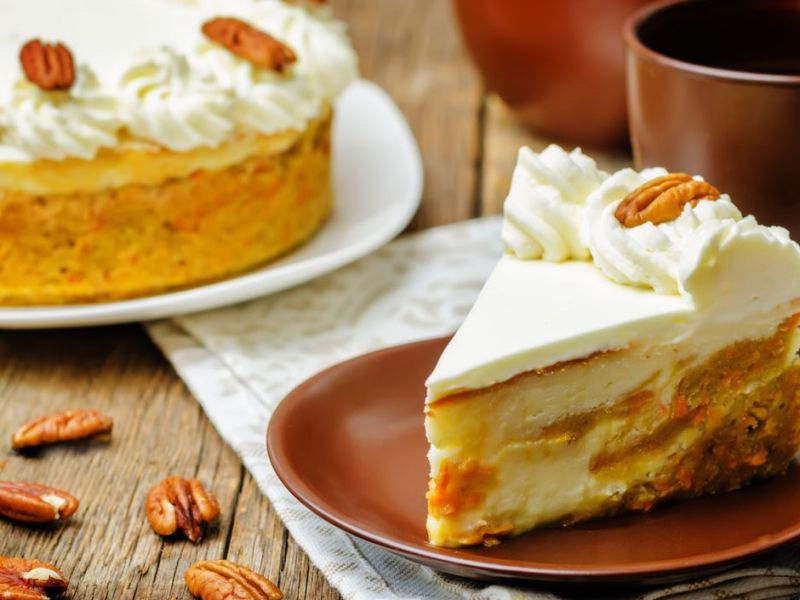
(108,551)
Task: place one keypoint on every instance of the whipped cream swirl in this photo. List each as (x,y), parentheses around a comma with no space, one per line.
(661,256)
(55,125)
(562,207)
(734,267)
(325,57)
(544,209)
(165,101)
(186,95)
(648,254)
(262,100)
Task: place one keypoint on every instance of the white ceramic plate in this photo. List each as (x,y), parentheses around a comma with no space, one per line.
(377,174)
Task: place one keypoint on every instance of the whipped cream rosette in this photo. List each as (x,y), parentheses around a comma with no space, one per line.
(157,79)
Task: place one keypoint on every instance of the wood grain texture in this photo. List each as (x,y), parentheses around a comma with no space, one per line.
(107,549)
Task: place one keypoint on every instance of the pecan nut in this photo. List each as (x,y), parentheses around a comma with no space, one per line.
(177,503)
(24,579)
(50,66)
(35,503)
(662,199)
(249,43)
(62,427)
(224,580)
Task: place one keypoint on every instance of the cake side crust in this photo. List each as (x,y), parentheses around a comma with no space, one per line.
(144,239)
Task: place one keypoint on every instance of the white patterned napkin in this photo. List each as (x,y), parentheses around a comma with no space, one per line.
(240,361)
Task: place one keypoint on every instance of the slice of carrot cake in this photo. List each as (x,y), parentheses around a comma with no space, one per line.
(636,343)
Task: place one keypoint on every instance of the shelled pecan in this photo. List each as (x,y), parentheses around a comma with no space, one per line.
(35,503)
(64,426)
(662,199)
(249,43)
(50,66)
(224,580)
(25,579)
(181,504)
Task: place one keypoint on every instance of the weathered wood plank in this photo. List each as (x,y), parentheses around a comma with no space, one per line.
(107,549)
(259,540)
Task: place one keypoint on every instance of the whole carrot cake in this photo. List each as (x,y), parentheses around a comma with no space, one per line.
(149,145)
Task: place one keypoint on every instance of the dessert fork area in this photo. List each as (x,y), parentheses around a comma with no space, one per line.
(150,378)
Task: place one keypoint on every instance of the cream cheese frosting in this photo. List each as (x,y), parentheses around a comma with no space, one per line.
(575,281)
(147,72)
(532,314)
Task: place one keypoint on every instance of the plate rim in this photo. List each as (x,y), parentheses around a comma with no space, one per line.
(666,570)
(164,305)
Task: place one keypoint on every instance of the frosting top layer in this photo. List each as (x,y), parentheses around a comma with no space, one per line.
(533,314)
(145,71)
(575,281)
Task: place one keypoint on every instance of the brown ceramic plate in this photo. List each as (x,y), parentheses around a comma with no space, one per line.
(349,444)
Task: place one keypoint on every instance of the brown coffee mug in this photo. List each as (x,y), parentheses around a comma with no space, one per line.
(714,89)
(559,64)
